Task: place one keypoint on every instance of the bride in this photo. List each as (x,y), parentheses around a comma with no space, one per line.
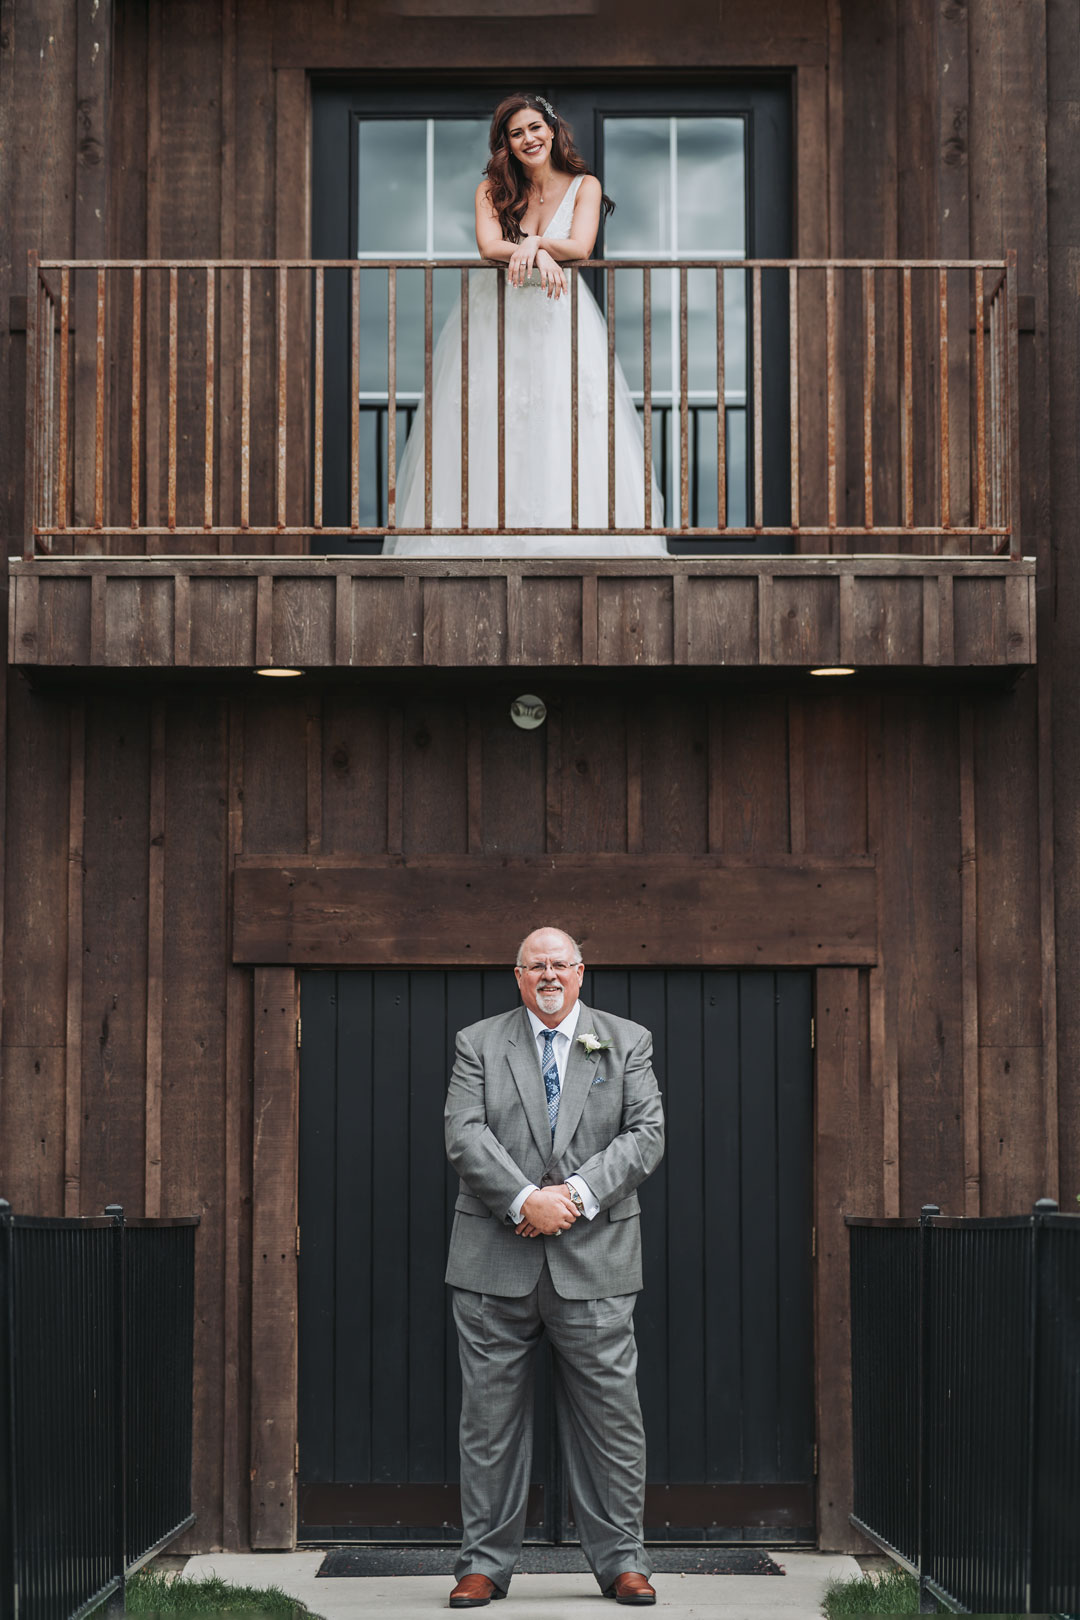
(536,209)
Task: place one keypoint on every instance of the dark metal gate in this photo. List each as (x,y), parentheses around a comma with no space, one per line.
(724,1324)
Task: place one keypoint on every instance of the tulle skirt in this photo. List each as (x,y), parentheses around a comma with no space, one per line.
(537,435)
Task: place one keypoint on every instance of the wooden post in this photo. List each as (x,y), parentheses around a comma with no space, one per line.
(273,1261)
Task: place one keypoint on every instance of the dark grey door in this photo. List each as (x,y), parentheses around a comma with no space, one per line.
(724,1324)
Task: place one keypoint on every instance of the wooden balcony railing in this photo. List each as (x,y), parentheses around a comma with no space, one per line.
(248,406)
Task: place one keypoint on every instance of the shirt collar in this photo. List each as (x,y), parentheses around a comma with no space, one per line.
(567,1027)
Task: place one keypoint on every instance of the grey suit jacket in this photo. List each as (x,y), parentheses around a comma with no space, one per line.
(610,1131)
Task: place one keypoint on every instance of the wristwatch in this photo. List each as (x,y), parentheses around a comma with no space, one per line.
(579,1202)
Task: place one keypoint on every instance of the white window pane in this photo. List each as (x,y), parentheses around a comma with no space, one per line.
(701,328)
(392,186)
(735,293)
(737,469)
(637,170)
(410,331)
(461,151)
(629,332)
(712,185)
(661,331)
(373,331)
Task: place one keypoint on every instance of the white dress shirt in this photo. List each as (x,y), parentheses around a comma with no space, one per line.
(560,1047)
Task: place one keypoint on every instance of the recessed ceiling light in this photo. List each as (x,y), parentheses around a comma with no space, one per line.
(279,672)
(837,669)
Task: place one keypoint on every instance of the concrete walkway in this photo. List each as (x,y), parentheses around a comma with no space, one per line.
(537,1597)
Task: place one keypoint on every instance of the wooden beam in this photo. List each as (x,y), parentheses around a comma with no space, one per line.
(454,911)
(273,1262)
(73,1043)
(237,1077)
(840,1190)
(155,960)
(216,612)
(93,75)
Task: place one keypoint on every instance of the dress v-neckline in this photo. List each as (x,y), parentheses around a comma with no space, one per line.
(558,206)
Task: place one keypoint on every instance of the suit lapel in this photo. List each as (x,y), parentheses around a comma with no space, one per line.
(524,1060)
(580,1073)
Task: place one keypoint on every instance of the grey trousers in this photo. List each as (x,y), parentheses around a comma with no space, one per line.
(599,1422)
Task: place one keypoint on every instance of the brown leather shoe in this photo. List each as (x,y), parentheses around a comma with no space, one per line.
(473,1591)
(631,1587)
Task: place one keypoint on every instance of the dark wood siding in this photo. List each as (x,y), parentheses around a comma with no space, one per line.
(129,1073)
(128,1050)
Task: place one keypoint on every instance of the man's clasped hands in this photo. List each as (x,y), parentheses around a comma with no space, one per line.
(547,1212)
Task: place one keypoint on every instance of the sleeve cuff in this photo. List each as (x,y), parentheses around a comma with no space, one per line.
(592,1207)
(514,1211)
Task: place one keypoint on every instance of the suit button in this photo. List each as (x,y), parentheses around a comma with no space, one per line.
(548,1180)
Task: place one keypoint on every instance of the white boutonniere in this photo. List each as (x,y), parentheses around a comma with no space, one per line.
(593,1044)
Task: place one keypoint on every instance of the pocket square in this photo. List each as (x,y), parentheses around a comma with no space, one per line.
(599,1079)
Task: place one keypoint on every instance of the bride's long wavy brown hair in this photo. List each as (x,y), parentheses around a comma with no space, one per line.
(509,189)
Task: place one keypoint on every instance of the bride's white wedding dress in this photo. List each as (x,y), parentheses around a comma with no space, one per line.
(537,386)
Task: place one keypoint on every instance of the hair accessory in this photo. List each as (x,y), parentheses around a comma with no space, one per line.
(548,108)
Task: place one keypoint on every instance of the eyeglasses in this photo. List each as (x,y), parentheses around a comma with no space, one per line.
(556,967)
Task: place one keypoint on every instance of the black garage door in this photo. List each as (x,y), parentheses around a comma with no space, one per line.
(724,1324)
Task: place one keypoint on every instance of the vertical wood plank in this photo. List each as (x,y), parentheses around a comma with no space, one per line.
(474,783)
(238,1072)
(155,959)
(182,620)
(313,739)
(553,790)
(73,1039)
(590,624)
(796,775)
(273,1261)
(395,776)
(846,1183)
(514,623)
(227,369)
(344,618)
(634,830)
(946,623)
(884,1078)
(765,618)
(931,630)
(969,933)
(680,620)
(95,29)
(846,583)
(264,621)
(716,775)
(98,587)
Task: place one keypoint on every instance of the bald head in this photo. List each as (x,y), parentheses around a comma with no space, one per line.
(549,972)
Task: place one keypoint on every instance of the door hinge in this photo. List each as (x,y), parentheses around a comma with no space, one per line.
(298,1238)
(811,1035)
(815,1459)
(296,1458)
(298,1034)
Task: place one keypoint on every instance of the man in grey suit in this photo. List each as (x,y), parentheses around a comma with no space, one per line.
(553,1119)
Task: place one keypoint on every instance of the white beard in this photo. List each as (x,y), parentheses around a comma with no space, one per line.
(551,1001)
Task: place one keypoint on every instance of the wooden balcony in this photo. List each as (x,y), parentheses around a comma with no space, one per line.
(341,613)
(202,492)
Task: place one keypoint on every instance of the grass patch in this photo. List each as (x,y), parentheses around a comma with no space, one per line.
(892,1591)
(888,1591)
(150,1592)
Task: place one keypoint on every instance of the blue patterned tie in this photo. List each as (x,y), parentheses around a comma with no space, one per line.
(551,1077)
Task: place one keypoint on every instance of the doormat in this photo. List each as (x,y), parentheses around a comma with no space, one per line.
(707,1558)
